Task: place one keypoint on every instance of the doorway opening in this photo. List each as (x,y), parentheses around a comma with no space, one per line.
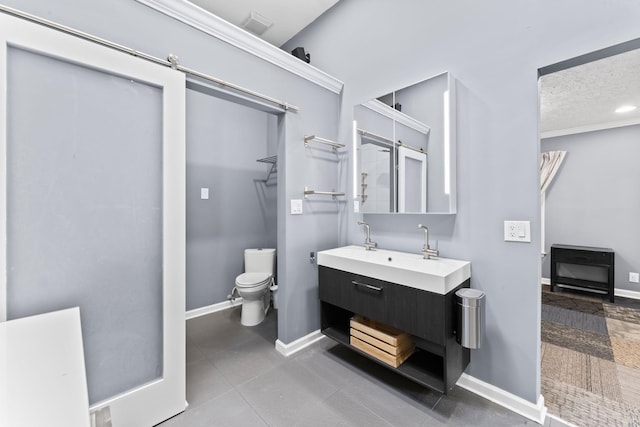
(590,345)
(232,180)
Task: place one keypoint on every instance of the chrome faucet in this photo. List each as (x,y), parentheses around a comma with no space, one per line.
(368,244)
(427,252)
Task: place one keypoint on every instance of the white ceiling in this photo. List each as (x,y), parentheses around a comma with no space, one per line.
(289,17)
(586,96)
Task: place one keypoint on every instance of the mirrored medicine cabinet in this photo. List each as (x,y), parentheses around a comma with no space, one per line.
(404,150)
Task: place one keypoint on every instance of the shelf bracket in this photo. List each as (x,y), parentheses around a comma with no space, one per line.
(273,161)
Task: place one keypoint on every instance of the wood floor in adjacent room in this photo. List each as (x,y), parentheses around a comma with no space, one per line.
(591,358)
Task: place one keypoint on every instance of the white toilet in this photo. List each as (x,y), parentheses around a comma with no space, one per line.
(255,283)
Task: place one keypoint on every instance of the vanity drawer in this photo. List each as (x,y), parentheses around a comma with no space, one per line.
(359,294)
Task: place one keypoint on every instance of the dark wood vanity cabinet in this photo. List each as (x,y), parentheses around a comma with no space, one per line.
(355,293)
(430,319)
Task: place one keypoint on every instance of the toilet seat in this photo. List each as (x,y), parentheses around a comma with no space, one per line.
(252,280)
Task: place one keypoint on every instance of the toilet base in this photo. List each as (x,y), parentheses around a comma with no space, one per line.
(254,311)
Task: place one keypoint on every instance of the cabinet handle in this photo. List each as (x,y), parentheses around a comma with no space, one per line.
(373,288)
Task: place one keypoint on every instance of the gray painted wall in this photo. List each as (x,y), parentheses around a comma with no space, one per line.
(138,27)
(319,168)
(224,140)
(593,200)
(494,49)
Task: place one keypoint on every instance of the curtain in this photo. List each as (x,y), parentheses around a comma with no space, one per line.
(550,162)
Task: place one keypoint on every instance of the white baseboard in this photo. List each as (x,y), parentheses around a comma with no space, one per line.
(299,344)
(627,294)
(546,281)
(560,421)
(213,308)
(535,412)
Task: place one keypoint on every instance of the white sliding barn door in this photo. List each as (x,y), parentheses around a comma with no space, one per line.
(92,210)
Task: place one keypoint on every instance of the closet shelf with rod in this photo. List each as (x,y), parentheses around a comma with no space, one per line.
(333,194)
(334,145)
(273,161)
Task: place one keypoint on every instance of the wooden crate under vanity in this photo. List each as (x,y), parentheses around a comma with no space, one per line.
(383,342)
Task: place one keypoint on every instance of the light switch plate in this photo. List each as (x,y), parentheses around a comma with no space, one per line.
(356,206)
(204,193)
(296,207)
(517,231)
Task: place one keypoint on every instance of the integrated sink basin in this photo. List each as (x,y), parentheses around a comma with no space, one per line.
(439,275)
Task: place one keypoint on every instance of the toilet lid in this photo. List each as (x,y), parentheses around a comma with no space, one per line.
(252,279)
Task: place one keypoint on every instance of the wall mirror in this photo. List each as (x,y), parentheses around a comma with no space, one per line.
(404,150)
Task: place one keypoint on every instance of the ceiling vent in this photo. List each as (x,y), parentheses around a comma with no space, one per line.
(256,23)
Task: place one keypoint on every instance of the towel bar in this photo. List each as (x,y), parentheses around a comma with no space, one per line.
(333,194)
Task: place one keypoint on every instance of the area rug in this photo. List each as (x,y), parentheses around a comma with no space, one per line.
(591,358)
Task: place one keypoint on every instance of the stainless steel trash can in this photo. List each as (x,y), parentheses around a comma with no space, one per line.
(471,317)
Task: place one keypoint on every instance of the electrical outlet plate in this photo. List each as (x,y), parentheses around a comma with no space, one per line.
(634,277)
(517,231)
(296,206)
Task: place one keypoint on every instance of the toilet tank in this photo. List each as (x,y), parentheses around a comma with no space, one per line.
(259,260)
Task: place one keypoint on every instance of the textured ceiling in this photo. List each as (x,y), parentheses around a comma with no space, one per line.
(289,17)
(587,95)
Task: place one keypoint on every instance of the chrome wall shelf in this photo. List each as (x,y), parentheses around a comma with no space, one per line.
(334,145)
(333,194)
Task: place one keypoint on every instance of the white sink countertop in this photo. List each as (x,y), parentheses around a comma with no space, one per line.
(439,275)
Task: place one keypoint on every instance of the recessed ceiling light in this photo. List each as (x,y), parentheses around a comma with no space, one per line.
(625,108)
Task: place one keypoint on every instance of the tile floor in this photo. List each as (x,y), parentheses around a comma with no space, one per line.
(235,377)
